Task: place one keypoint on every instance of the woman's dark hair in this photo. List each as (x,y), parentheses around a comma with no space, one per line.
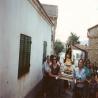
(58,58)
(81,60)
(51,57)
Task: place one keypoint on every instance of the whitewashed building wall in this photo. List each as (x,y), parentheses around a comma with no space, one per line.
(20,17)
(76,55)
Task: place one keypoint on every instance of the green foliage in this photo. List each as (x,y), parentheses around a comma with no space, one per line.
(73,39)
(58,47)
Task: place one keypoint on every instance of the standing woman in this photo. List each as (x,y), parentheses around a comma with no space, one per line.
(54,72)
(46,69)
(79,79)
(87,68)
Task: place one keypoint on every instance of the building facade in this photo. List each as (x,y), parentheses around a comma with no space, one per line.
(93,44)
(25,31)
(78,52)
(52,11)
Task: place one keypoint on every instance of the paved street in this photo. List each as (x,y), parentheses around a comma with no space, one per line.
(68,94)
(39,94)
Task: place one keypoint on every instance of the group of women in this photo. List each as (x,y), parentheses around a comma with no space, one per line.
(84,78)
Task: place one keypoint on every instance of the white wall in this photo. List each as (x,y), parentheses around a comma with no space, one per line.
(74,56)
(62,57)
(16,17)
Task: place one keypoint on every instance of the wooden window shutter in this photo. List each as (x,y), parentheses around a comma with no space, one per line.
(24,55)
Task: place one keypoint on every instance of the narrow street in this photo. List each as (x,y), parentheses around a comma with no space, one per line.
(47,45)
(68,94)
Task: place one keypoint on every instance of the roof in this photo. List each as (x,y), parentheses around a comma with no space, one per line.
(39,8)
(92,27)
(52,10)
(94,33)
(80,47)
(92,47)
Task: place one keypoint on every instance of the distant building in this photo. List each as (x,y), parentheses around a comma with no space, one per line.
(78,52)
(52,11)
(93,44)
(25,38)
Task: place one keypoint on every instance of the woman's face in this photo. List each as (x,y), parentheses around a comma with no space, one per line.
(54,60)
(80,64)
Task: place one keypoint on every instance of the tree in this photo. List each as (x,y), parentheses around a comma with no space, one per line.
(73,39)
(58,47)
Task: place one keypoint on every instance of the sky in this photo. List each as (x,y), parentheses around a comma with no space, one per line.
(74,16)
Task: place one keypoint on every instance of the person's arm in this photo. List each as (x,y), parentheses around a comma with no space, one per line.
(50,74)
(88,80)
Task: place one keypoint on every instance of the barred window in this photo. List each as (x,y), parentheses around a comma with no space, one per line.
(24,55)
